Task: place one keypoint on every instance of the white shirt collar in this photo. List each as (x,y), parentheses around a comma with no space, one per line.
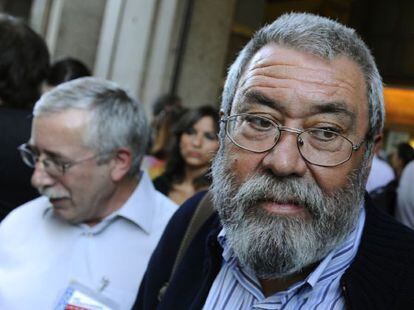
(138,208)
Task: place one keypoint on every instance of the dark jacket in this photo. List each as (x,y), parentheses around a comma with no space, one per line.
(381,276)
(15,187)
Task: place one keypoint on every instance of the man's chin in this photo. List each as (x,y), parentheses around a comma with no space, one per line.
(59,203)
(65,214)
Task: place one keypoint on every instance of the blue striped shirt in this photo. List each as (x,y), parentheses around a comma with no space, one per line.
(238,288)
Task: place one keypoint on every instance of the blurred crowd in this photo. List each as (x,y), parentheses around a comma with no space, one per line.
(390,183)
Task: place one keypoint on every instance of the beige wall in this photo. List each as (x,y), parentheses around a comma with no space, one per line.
(201,77)
(79,30)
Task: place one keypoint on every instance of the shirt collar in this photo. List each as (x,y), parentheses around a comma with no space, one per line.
(137,209)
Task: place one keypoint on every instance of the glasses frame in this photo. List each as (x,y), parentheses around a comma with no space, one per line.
(297,131)
(46,162)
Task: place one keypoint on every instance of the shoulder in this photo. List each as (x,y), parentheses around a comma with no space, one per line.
(24,219)
(405,191)
(384,262)
(407,176)
(150,192)
(163,258)
(381,226)
(165,207)
(31,210)
(179,221)
(155,206)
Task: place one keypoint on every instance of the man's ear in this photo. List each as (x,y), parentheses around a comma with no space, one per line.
(376,148)
(121,164)
(377,143)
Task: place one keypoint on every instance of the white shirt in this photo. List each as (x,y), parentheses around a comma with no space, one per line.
(41,254)
(405,196)
(380,175)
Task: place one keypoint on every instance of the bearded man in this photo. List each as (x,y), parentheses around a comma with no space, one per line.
(302,113)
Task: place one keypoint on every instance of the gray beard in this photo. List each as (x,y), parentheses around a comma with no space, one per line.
(276,246)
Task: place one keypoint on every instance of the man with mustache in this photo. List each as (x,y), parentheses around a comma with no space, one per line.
(86,242)
(302,112)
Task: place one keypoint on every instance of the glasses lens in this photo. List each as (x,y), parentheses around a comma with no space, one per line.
(324,147)
(252,132)
(30,158)
(27,155)
(52,168)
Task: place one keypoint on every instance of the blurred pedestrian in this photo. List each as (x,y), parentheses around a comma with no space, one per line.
(405,196)
(64,70)
(24,64)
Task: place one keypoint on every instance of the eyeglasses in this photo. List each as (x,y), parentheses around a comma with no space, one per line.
(259,134)
(52,166)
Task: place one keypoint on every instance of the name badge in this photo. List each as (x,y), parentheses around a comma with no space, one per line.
(79,297)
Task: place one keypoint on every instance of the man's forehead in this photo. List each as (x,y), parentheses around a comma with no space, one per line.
(275,69)
(270,53)
(63,129)
(65,118)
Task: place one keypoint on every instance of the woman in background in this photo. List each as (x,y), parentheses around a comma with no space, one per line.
(195,144)
(167,109)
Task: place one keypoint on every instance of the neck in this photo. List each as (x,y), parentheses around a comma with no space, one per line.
(272,286)
(192,173)
(118,197)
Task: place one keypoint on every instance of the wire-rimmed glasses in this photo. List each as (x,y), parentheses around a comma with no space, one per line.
(318,146)
(53,167)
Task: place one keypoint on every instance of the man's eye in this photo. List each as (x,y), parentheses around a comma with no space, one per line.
(326,134)
(259,123)
(57,162)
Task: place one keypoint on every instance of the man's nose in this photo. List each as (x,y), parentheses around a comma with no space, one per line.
(284,159)
(40,178)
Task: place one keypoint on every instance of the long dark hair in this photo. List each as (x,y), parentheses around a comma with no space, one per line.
(175,168)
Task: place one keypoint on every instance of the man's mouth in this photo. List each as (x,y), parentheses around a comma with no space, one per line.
(283,208)
(56,201)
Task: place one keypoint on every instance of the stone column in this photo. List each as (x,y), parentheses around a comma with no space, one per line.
(200,79)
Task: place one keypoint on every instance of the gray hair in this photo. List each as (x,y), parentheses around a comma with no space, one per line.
(117,119)
(322,37)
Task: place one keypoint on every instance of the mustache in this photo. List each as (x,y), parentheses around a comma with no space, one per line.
(266,187)
(53,194)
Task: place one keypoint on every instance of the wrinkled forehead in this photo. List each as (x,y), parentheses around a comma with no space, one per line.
(301,80)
